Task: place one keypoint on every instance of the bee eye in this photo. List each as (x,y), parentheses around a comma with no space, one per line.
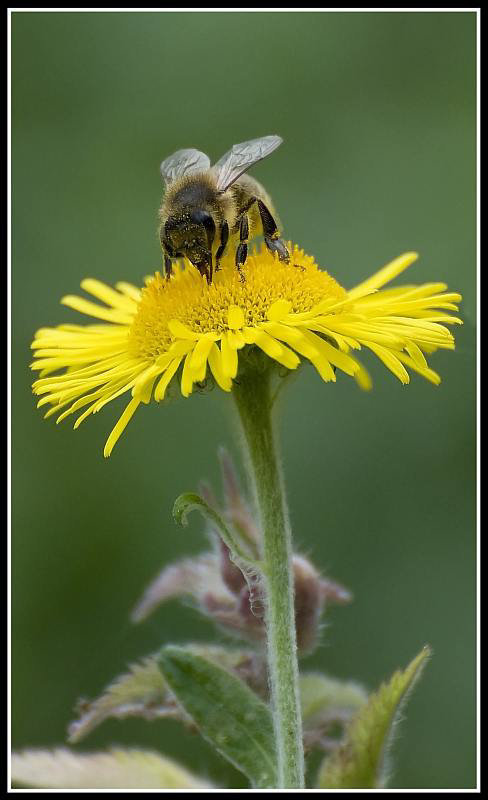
(200,217)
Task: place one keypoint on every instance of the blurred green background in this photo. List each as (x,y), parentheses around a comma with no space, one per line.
(377,111)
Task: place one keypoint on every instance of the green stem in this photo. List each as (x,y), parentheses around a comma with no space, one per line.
(253,398)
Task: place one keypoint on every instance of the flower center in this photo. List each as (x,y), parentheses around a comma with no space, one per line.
(204,308)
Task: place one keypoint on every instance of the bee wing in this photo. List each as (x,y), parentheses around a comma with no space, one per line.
(183,162)
(242,156)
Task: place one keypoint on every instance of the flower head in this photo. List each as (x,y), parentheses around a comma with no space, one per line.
(188,330)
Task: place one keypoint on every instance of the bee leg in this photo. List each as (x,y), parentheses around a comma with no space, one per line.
(241,252)
(278,246)
(224,238)
(168,255)
(271,234)
(168,267)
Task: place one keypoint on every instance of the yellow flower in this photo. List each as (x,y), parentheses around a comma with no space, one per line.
(188,328)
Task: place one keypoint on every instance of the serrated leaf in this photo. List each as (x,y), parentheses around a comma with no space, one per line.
(321,694)
(226,711)
(143,692)
(115,769)
(359,762)
(140,692)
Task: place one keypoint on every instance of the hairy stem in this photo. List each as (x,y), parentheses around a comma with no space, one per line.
(253,398)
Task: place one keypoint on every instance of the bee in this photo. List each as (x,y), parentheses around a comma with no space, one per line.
(205,206)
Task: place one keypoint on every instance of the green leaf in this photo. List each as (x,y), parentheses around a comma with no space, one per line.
(359,762)
(321,694)
(140,692)
(327,707)
(247,665)
(143,691)
(114,769)
(226,711)
(190,501)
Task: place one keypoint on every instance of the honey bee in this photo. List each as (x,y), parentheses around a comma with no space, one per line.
(205,206)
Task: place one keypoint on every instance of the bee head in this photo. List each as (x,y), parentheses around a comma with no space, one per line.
(191,234)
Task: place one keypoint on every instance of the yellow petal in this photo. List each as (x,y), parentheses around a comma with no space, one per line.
(215,362)
(163,384)
(229,357)
(292,336)
(236,339)
(320,361)
(363,378)
(94,310)
(426,372)
(278,310)
(112,298)
(128,289)
(146,393)
(55,409)
(82,401)
(235,318)
(188,377)
(121,426)
(144,378)
(272,348)
(384,275)
(181,348)
(163,360)
(181,331)
(390,360)
(83,416)
(332,354)
(201,351)
(416,353)
(111,393)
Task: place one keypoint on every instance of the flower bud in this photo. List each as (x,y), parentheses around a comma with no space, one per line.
(221,590)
